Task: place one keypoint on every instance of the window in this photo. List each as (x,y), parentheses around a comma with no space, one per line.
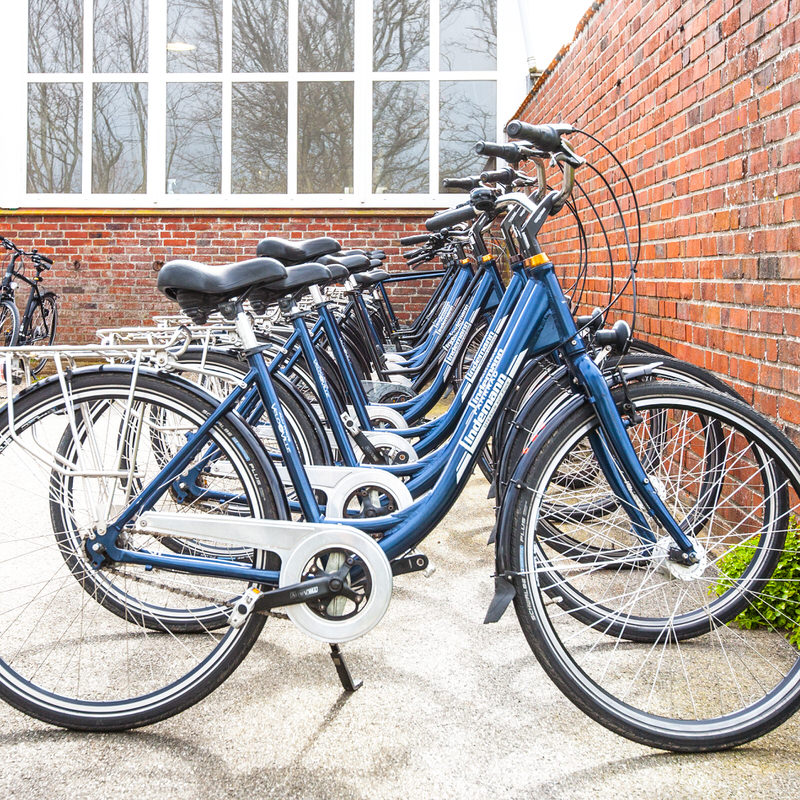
(186,103)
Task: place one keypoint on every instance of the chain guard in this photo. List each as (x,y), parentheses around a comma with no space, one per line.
(371,559)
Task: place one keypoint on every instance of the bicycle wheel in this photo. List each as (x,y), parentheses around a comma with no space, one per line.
(9,323)
(120,646)
(42,328)
(648,648)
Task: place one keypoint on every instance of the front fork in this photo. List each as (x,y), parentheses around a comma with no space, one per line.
(618,459)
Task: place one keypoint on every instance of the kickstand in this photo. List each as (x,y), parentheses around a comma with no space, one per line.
(343,672)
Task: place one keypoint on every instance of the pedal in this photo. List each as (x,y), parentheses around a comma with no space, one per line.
(244,607)
(415,563)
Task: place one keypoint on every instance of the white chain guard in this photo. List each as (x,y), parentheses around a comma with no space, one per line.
(296,543)
(384,413)
(374,561)
(339,483)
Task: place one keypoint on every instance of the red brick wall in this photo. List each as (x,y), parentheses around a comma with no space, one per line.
(106,265)
(701,102)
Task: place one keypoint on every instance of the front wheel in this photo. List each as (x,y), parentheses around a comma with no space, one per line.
(655,651)
(9,323)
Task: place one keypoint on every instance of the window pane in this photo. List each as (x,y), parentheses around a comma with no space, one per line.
(325,137)
(194,138)
(467,113)
(119,138)
(260,31)
(400,125)
(55,36)
(54,137)
(194,36)
(259,138)
(325,39)
(468,34)
(401,32)
(120,35)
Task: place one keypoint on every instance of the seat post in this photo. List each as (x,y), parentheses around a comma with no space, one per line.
(244,328)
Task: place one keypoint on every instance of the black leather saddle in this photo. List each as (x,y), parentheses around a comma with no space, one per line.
(297,280)
(366,279)
(355,263)
(227,280)
(199,288)
(297,251)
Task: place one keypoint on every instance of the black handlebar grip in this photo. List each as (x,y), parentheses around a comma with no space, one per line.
(499,176)
(414,253)
(545,137)
(415,262)
(462,183)
(448,218)
(419,238)
(508,152)
(45,259)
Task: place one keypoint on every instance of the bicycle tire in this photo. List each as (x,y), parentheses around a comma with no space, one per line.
(9,323)
(66,659)
(660,700)
(41,328)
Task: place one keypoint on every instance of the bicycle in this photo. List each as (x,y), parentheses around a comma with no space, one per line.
(40,317)
(92,441)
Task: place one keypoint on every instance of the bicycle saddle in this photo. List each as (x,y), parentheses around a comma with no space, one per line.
(227,280)
(356,262)
(297,279)
(381,254)
(297,251)
(366,279)
(338,272)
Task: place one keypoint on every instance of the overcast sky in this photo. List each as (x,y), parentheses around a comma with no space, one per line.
(549,25)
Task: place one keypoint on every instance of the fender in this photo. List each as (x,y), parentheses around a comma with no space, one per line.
(504,587)
(240,426)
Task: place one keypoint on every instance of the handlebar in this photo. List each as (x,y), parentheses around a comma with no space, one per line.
(504,176)
(513,153)
(446,219)
(547,138)
(419,238)
(42,262)
(462,183)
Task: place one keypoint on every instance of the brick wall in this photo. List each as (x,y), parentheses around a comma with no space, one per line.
(106,265)
(701,102)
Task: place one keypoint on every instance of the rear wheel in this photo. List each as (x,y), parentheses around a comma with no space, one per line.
(42,330)
(119,646)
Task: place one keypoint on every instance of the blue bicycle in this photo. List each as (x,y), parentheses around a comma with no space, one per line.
(147,534)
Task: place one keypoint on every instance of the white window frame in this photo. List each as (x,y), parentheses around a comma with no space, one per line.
(509,75)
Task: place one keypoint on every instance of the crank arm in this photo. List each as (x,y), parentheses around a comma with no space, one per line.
(254,601)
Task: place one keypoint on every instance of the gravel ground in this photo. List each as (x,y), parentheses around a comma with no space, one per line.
(449,709)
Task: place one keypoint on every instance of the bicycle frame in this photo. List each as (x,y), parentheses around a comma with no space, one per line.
(34,296)
(540,322)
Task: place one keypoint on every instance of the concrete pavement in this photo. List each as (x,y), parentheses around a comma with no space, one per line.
(449,709)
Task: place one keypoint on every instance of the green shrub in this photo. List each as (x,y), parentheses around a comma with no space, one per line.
(778,603)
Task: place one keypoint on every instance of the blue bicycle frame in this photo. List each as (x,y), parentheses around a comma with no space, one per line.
(540,322)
